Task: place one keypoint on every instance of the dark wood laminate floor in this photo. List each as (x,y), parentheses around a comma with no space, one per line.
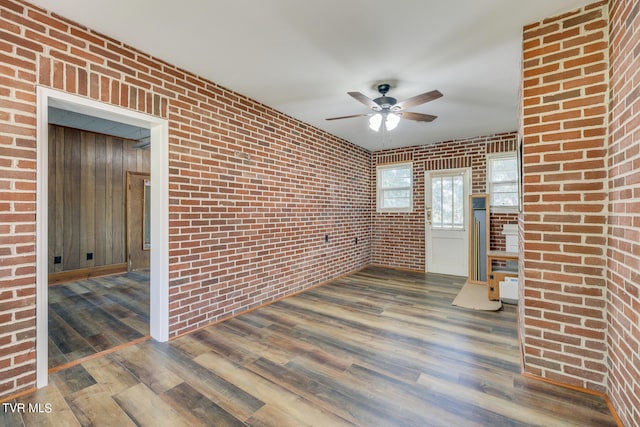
(378,348)
(90,316)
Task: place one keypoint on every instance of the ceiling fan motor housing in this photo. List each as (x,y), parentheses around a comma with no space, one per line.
(385,102)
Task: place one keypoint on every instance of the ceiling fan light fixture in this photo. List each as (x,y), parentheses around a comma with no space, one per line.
(392,121)
(375,121)
(389,110)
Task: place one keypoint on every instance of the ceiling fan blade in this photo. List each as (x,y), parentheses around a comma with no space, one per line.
(365,100)
(349,117)
(419,99)
(418,117)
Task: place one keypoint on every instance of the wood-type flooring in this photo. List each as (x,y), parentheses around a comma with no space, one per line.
(93,315)
(377,348)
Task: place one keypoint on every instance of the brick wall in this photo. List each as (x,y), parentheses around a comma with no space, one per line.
(623,255)
(565,204)
(399,238)
(497,240)
(252,191)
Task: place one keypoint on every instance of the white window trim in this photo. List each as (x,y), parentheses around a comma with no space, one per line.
(379,190)
(489,183)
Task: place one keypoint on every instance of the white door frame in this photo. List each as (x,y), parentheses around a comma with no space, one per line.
(159,272)
(466,173)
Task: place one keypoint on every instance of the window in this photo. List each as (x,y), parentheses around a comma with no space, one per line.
(447,202)
(395,188)
(502,181)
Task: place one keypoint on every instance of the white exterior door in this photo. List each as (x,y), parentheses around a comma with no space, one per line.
(446,221)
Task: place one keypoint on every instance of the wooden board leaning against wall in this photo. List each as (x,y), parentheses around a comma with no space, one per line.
(87,202)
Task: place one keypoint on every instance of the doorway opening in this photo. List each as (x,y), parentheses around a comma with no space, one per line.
(96,215)
(158,220)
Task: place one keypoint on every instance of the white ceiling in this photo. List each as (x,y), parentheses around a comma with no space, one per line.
(302,57)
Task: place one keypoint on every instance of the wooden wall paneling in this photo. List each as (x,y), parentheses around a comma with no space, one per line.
(132,157)
(87,224)
(136,167)
(87,198)
(58,208)
(100,254)
(108,194)
(130,163)
(82,224)
(71,200)
(130,166)
(145,160)
(118,202)
(51,197)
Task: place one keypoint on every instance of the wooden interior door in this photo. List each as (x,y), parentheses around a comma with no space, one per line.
(138,243)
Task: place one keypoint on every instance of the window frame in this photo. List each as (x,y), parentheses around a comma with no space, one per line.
(490,183)
(380,191)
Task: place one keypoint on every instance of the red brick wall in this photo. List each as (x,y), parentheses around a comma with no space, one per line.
(565,207)
(399,238)
(252,191)
(497,240)
(623,255)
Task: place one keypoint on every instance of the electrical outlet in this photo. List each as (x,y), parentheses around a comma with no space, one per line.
(57,259)
(355,241)
(89,256)
(326,237)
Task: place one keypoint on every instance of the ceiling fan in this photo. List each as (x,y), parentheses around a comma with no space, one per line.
(389,110)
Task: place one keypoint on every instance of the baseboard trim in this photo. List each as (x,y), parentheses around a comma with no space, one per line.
(614,414)
(99,354)
(266,304)
(18,395)
(86,273)
(408,270)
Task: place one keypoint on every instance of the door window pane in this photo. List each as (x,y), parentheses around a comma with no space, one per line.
(436,202)
(447,202)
